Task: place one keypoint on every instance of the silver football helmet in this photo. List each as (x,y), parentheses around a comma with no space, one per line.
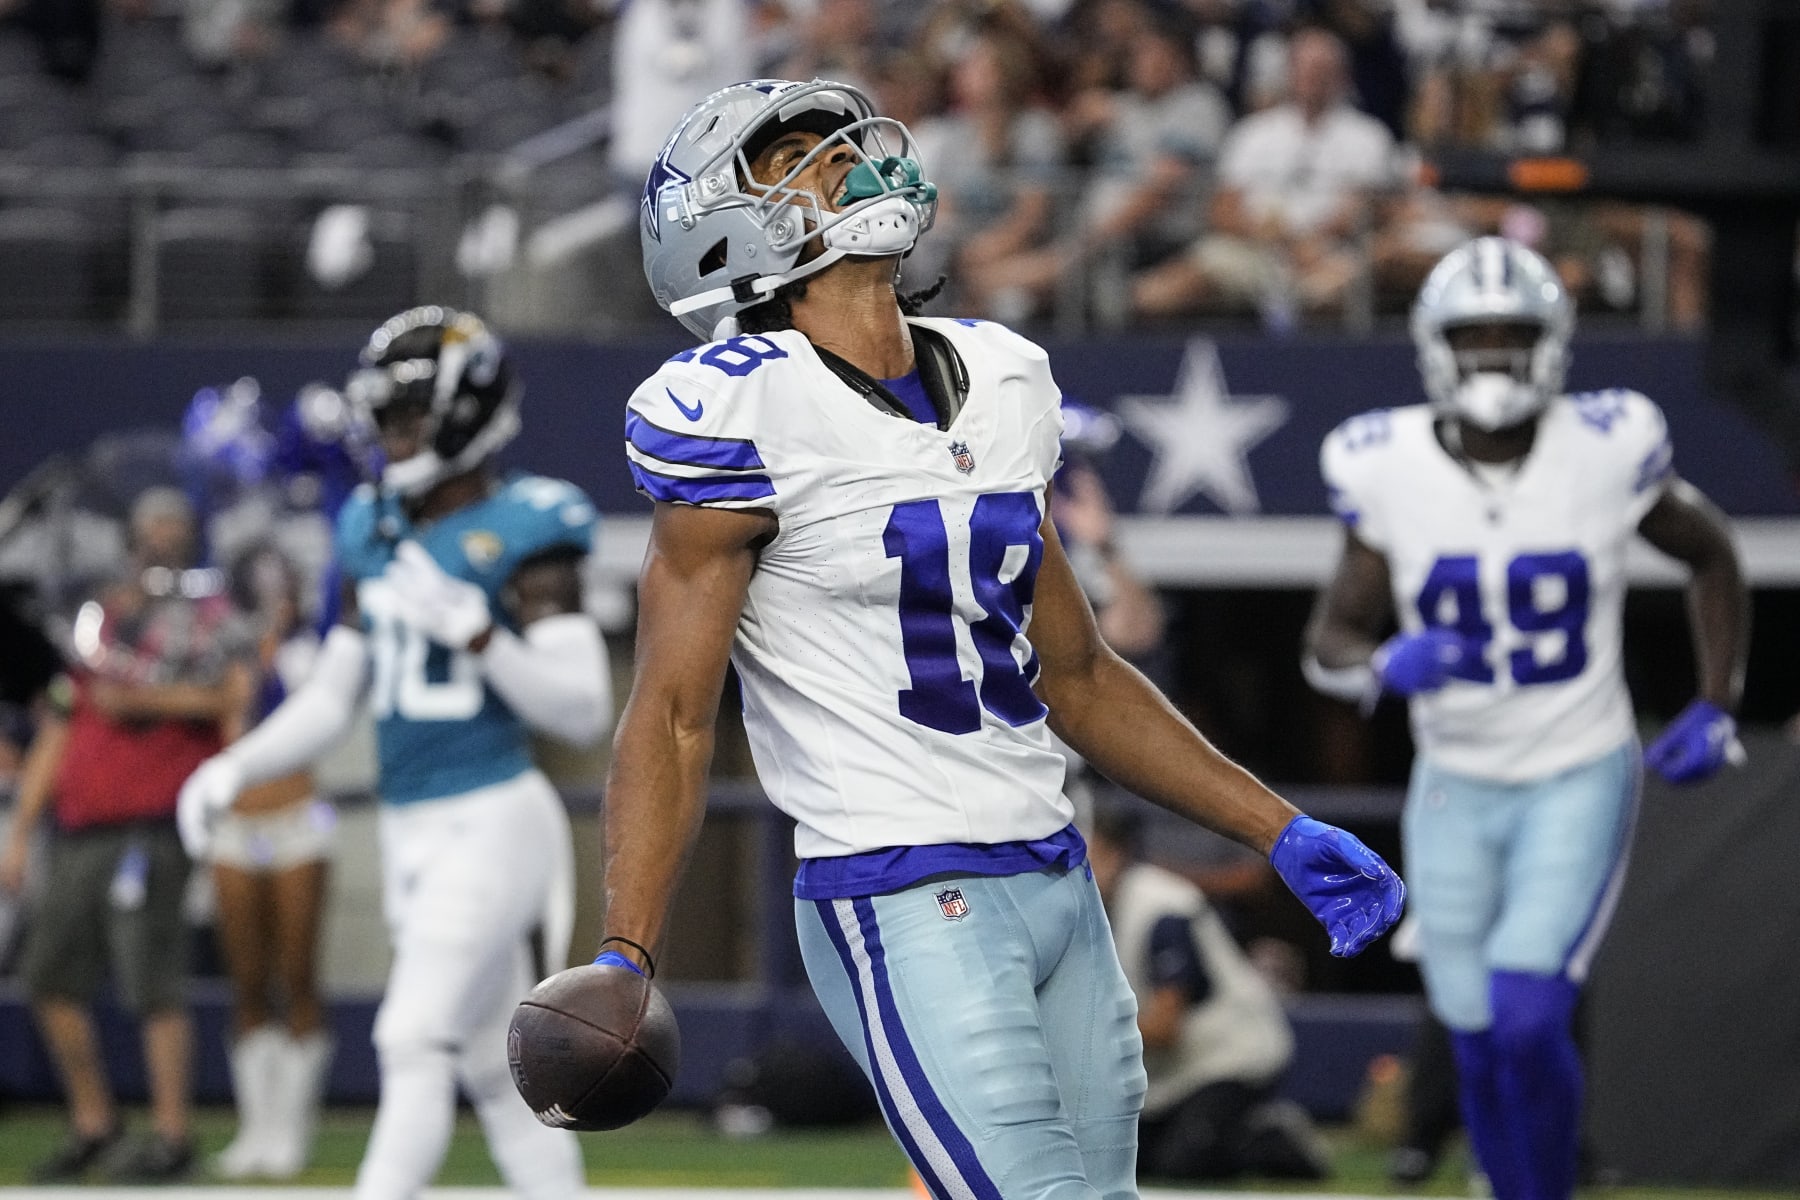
(717,242)
(1486,281)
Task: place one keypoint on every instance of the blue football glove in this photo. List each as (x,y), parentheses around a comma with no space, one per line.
(1410,663)
(612,958)
(1346,885)
(1698,742)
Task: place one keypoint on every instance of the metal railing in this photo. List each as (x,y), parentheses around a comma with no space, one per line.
(562,267)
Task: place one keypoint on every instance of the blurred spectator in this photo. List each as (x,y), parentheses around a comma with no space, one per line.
(1540,91)
(1099,35)
(837,39)
(1295,188)
(1415,226)
(664,53)
(160,678)
(1129,613)
(220,32)
(389,33)
(269,868)
(994,158)
(1377,66)
(1602,250)
(67,32)
(1147,145)
(1216,1040)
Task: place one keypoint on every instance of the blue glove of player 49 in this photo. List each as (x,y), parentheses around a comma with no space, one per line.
(1410,663)
(1346,885)
(612,958)
(1698,742)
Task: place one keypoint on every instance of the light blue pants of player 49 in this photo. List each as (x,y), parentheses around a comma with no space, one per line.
(1514,877)
(1002,1042)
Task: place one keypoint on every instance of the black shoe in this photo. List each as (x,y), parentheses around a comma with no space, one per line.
(72,1160)
(150,1159)
(1410,1165)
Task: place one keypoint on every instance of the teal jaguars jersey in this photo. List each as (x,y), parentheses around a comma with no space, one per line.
(440,730)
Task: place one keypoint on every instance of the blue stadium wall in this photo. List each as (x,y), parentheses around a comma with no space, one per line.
(60,396)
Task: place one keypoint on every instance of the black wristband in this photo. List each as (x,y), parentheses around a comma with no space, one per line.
(649,962)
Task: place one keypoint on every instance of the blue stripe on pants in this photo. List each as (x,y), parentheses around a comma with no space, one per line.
(933,1141)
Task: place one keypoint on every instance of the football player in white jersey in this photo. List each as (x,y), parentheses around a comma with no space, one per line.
(851,509)
(462,626)
(1494,522)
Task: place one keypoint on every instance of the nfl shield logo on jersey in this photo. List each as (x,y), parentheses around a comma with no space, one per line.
(959,452)
(952,905)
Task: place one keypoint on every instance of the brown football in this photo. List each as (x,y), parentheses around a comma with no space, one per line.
(594,1047)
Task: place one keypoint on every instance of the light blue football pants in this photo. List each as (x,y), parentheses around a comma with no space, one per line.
(1002,1042)
(1514,877)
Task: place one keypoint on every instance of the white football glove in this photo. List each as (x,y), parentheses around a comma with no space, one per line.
(450,611)
(207,794)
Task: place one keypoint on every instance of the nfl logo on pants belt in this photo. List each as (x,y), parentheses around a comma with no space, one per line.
(951,903)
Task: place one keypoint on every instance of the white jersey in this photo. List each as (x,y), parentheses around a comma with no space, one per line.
(886,674)
(1529,563)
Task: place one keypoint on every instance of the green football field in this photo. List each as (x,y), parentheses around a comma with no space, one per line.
(683,1151)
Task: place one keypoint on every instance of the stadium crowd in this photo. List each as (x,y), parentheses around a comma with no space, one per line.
(1112,160)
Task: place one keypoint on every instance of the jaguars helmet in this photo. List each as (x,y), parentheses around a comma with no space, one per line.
(450,366)
(1492,280)
(717,242)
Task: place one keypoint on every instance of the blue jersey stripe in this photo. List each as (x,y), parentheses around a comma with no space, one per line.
(706,489)
(875,872)
(828,917)
(968,1166)
(691,450)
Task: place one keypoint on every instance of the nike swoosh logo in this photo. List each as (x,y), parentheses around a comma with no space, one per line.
(692,414)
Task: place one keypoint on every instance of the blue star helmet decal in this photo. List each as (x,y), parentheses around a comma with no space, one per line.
(662,174)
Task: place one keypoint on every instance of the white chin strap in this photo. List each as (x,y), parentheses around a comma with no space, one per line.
(413,476)
(888,226)
(1494,400)
(410,476)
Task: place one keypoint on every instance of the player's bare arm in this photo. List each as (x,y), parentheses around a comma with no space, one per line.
(1687,526)
(218,701)
(1118,720)
(690,593)
(305,725)
(1353,611)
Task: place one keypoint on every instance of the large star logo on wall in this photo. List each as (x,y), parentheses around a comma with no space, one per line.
(1200,437)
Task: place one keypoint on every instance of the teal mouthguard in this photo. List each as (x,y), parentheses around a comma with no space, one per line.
(870,179)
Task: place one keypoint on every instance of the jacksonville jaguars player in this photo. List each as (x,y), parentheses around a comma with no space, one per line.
(1494,522)
(851,507)
(463,626)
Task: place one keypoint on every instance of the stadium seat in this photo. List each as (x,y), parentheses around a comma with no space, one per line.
(568,184)
(19,55)
(48,265)
(389,284)
(468,59)
(239,149)
(395,151)
(210,265)
(35,106)
(342,127)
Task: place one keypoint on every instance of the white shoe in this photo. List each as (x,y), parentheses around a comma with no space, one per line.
(255,1064)
(300,1084)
